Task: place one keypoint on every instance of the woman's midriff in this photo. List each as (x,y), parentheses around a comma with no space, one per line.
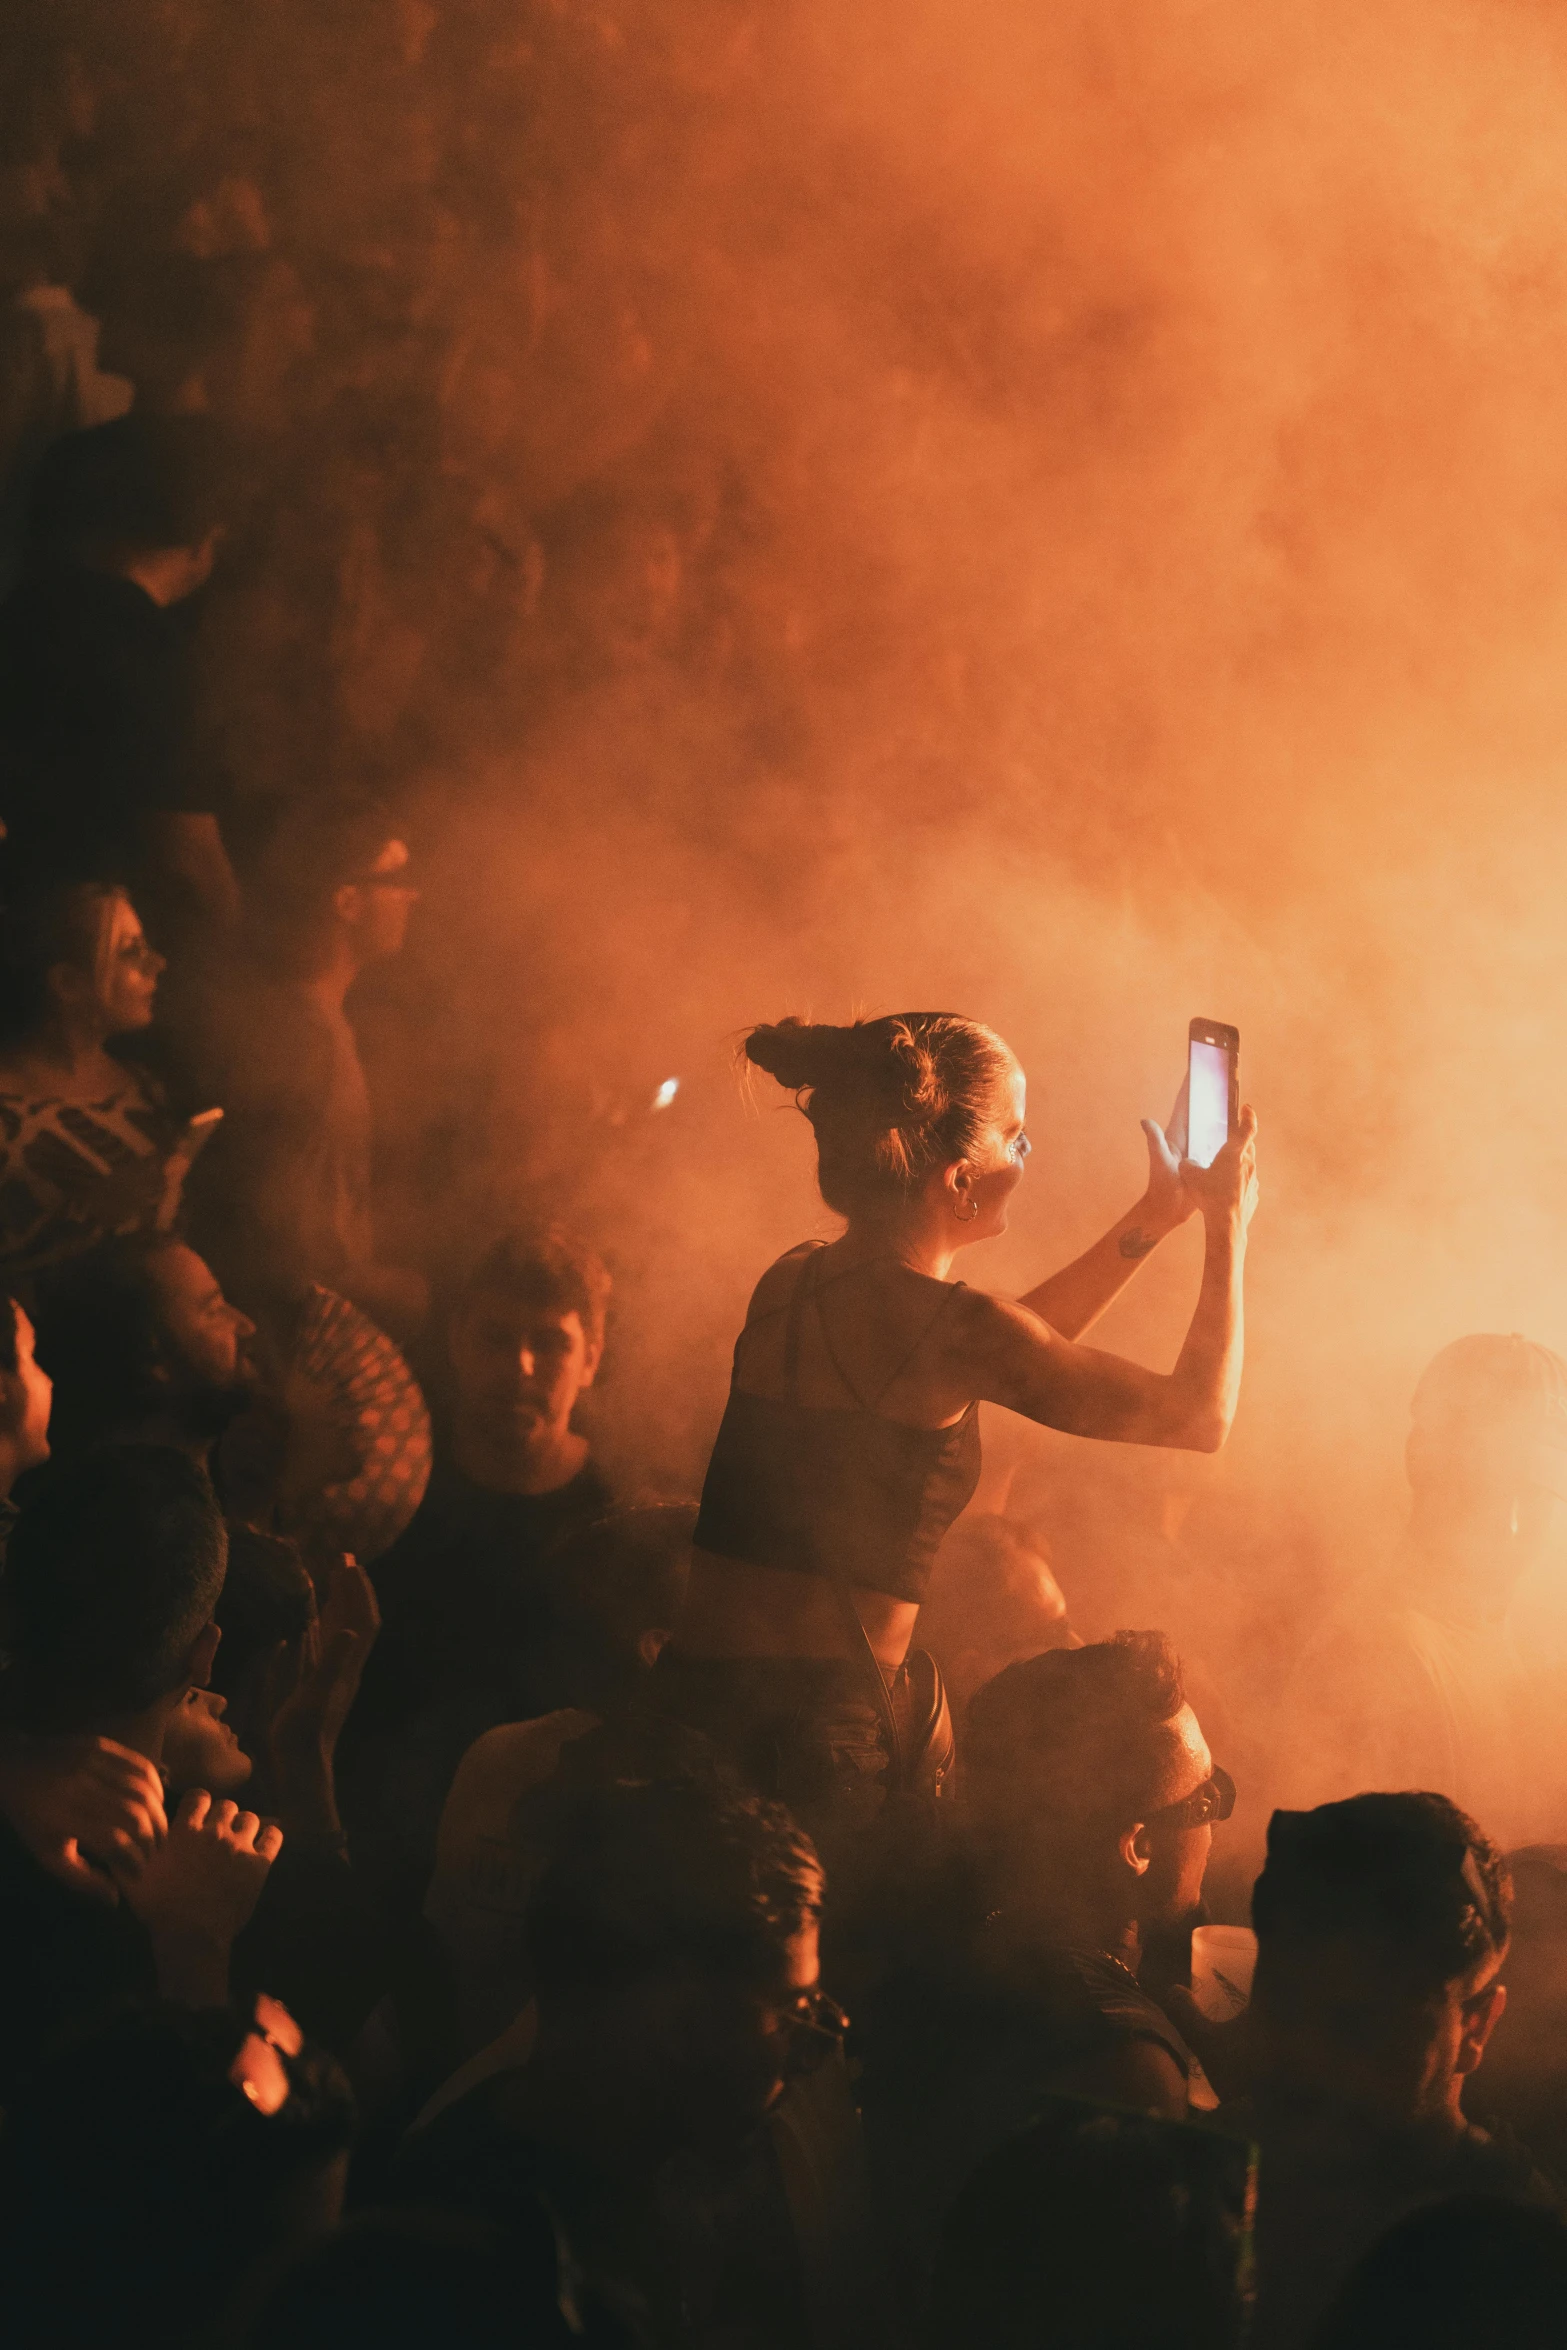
(734,1609)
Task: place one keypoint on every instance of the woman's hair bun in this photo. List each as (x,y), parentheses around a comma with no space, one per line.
(878,1062)
(798,1053)
(888,1098)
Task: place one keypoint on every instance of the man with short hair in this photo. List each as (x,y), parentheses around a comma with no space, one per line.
(471,1603)
(281,1199)
(1382,1930)
(673,1942)
(98,710)
(144,1347)
(111,1579)
(1090,1799)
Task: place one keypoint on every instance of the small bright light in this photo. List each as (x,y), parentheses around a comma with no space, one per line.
(666,1093)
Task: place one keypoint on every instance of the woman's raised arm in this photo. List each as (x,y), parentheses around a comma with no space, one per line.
(1008,1354)
(1072,1300)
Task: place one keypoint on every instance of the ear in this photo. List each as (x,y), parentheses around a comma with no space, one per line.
(591,1360)
(348,903)
(651,1644)
(203,1649)
(67,984)
(1136,1848)
(1482,2014)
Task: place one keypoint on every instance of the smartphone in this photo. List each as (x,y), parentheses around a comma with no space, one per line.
(1213,1088)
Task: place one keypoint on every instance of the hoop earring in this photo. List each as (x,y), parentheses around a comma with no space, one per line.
(973,1211)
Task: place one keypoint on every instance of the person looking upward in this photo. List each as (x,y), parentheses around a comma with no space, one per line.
(111,1580)
(850,1440)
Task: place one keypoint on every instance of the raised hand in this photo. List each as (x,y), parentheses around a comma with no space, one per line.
(324,1682)
(81,1803)
(197,1890)
(1227,1191)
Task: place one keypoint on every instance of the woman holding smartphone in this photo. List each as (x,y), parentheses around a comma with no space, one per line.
(850,1440)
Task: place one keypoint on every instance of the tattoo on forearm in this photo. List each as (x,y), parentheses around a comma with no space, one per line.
(1138,1243)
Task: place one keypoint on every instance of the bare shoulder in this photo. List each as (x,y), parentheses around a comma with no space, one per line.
(776,1286)
(980,1325)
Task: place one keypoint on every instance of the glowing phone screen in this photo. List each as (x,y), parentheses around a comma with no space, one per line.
(1208,1102)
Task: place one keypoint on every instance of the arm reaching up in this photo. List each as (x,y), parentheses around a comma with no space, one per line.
(1006,1354)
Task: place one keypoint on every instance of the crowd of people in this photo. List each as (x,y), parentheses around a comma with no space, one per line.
(449,1896)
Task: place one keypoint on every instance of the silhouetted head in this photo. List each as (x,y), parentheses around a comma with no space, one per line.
(1086,1769)
(1488,1418)
(112,1575)
(673,1939)
(1097,2229)
(1382,1924)
(1467,2270)
(142,487)
(72,950)
(138,1337)
(618,1586)
(992,1601)
(921,1101)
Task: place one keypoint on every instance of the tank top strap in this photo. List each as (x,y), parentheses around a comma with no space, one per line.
(806,1282)
(889,1384)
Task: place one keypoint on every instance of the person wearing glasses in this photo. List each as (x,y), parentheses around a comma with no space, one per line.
(283,1199)
(673,1937)
(88,1143)
(1090,1799)
(850,1441)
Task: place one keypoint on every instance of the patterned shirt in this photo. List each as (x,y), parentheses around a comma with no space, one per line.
(72,1173)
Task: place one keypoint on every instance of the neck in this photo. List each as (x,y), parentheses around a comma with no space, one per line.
(12,1466)
(540,1463)
(330,985)
(160,1429)
(61,1045)
(915,1240)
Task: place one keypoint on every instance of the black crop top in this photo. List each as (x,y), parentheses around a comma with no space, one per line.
(844,1494)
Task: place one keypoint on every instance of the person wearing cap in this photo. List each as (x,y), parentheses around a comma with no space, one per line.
(1420,1681)
(1382,1930)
